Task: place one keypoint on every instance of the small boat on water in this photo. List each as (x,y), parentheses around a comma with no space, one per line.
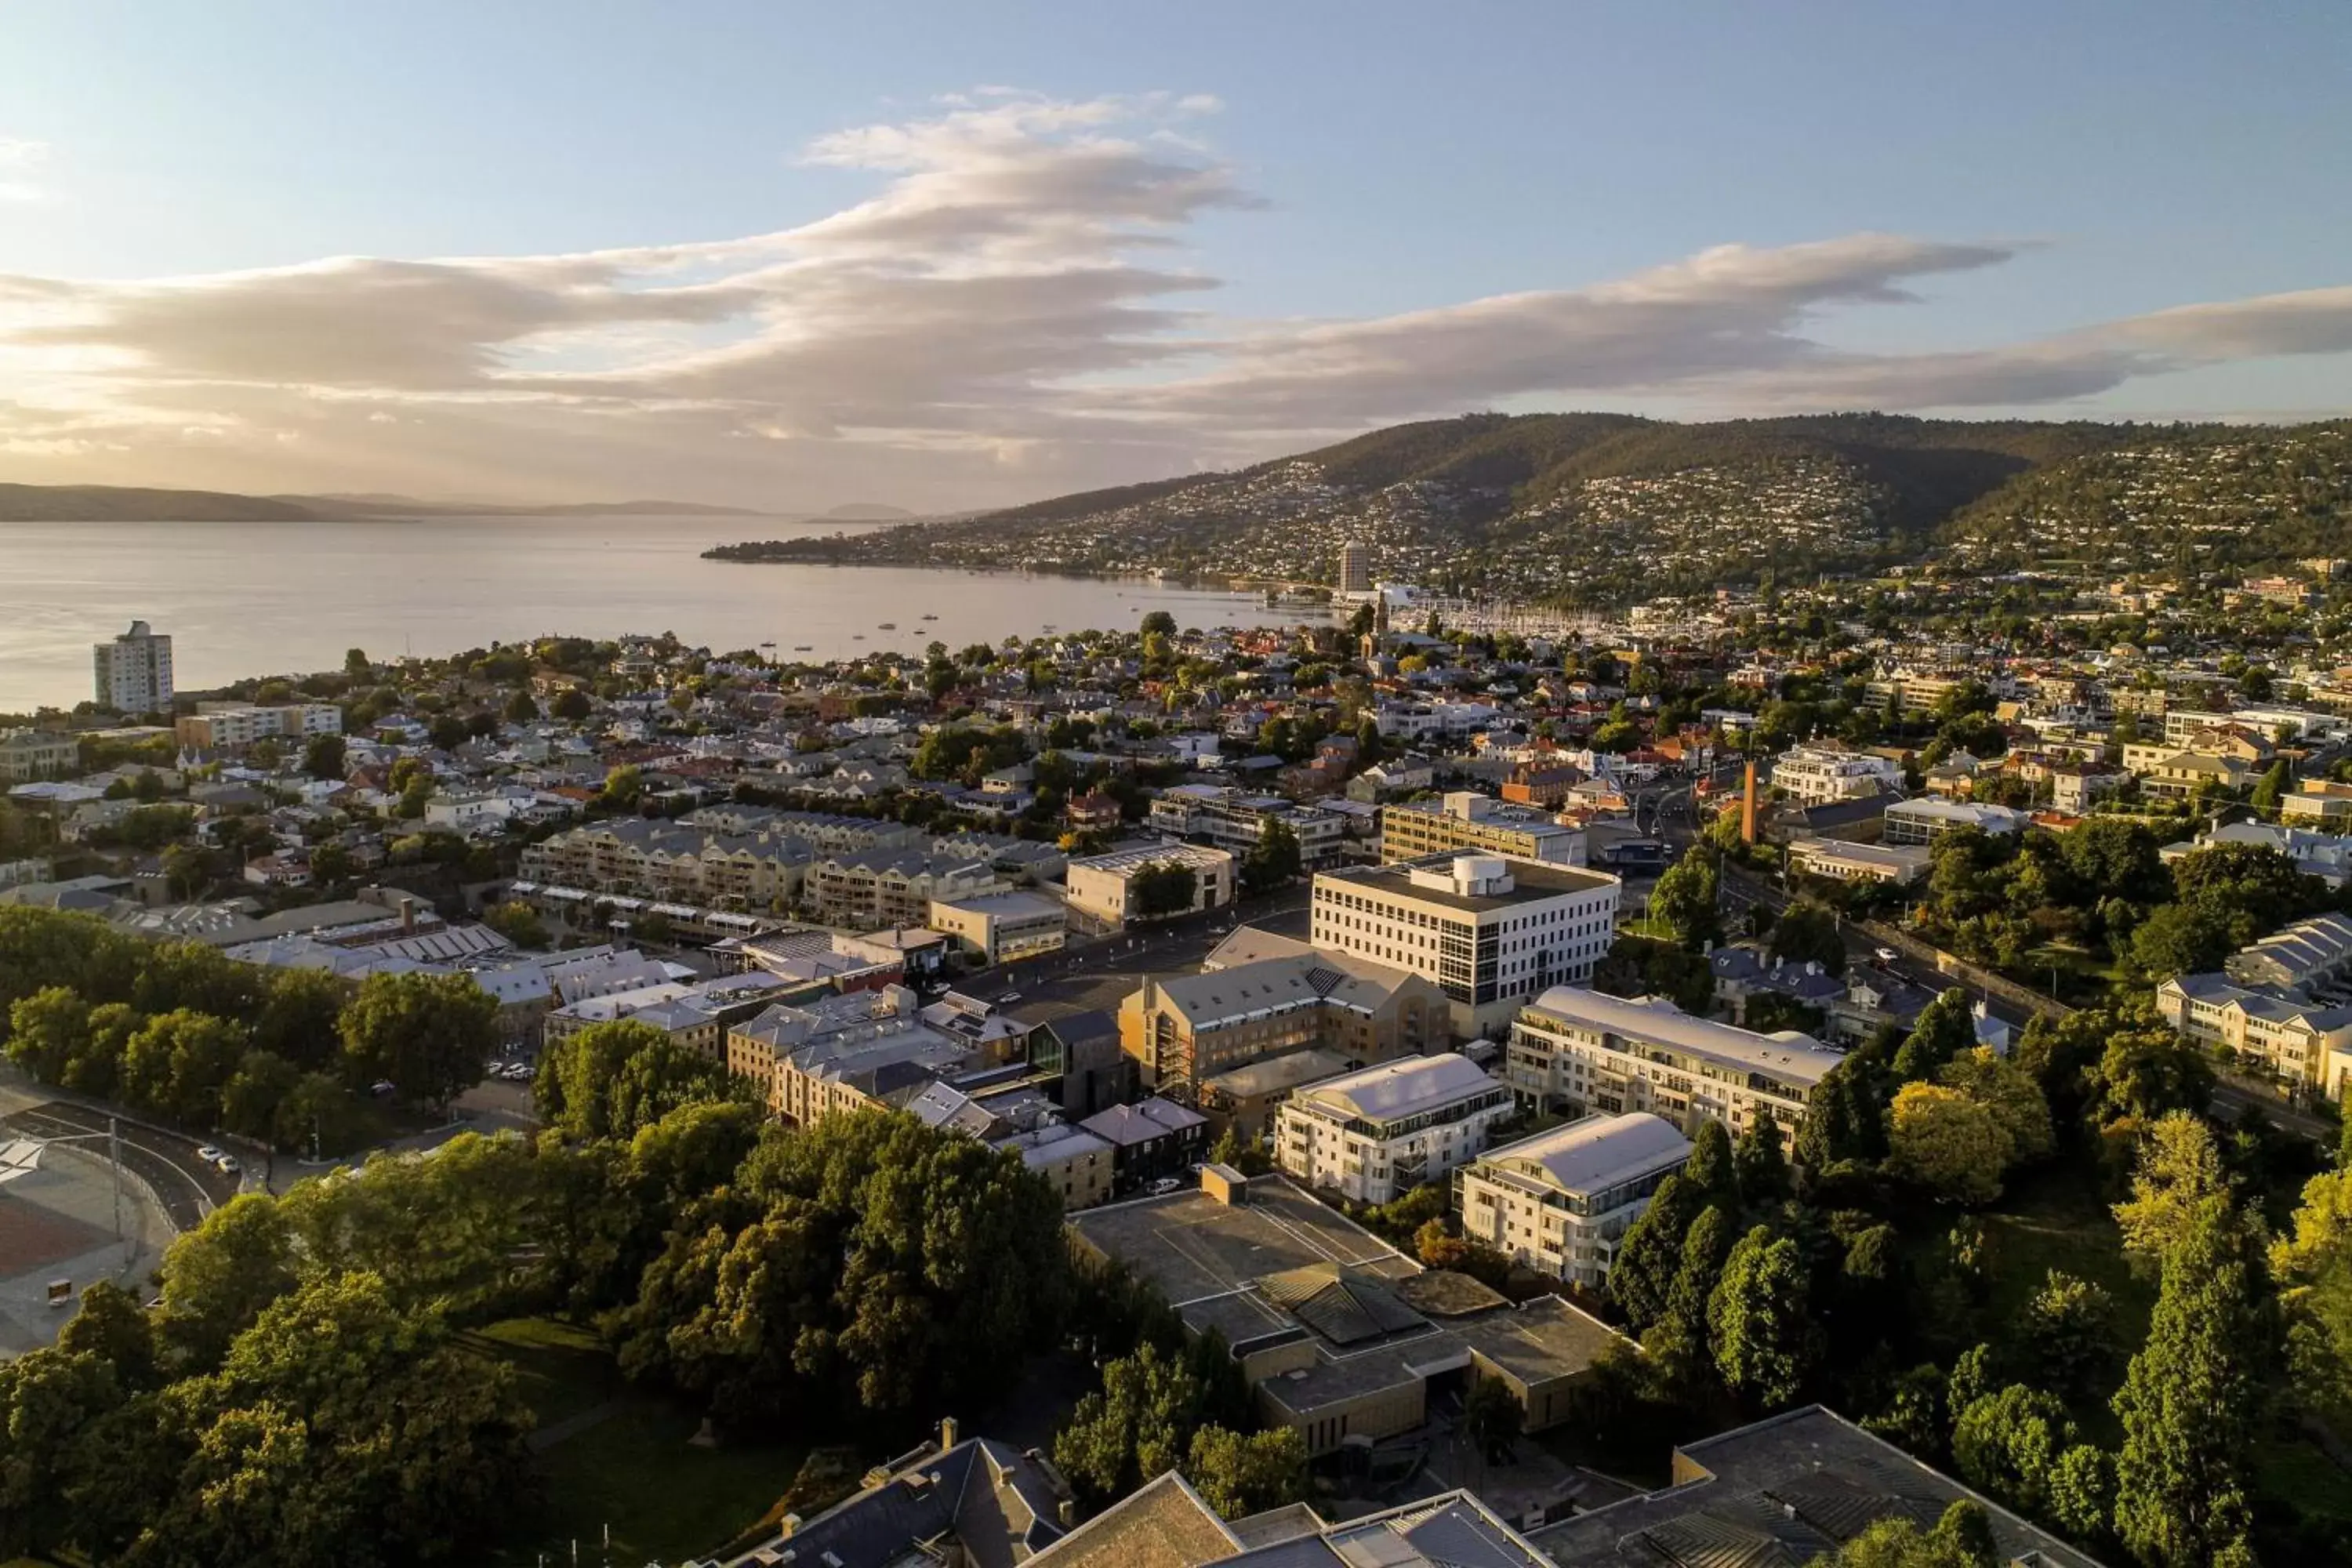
(801,647)
(930,617)
(857,636)
(888,626)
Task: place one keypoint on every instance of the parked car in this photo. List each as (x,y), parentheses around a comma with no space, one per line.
(1164,1185)
(1008,998)
(1885,954)
(228,1165)
(210,1155)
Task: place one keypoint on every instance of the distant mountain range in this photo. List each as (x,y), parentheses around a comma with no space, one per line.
(1607,508)
(112,503)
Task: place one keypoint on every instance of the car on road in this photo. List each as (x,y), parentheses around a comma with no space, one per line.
(228,1165)
(1008,998)
(1165,1185)
(1885,954)
(210,1155)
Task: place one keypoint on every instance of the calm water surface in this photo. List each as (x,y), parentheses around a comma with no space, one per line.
(260,598)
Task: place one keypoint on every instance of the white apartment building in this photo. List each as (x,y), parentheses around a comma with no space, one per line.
(1491,932)
(1560,1201)
(1103,885)
(1375,1135)
(1819,775)
(134,671)
(1582,1050)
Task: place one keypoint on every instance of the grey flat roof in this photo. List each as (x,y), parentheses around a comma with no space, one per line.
(1532,880)
(1192,1245)
(1784,1490)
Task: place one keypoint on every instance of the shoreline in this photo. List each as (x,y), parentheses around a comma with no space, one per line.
(1208,585)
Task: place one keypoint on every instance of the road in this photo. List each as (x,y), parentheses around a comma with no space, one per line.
(189,1188)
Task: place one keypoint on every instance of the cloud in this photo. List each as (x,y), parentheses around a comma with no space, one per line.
(1015,308)
(18,157)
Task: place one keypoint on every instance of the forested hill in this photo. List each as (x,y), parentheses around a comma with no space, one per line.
(121,503)
(1603,508)
(116,504)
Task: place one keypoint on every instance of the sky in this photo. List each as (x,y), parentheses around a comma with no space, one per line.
(942,255)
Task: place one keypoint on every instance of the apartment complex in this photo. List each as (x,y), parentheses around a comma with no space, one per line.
(27,755)
(2308,953)
(1561,1202)
(867,889)
(2301,1040)
(1355,568)
(655,859)
(1103,885)
(134,671)
(1180,1033)
(1579,1050)
(1488,932)
(1819,775)
(1375,1135)
(1466,820)
(227,726)
(1235,821)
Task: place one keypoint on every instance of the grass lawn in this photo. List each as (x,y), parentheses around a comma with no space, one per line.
(663,1499)
(2294,1471)
(2059,1219)
(633,1470)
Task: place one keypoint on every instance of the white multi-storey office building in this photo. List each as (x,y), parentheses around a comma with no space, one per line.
(1491,932)
(1374,1134)
(1560,1201)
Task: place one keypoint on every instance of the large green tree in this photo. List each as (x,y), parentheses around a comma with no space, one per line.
(1684,900)
(870,1260)
(1140,1423)
(611,1080)
(427,1035)
(2191,1401)
(1243,1473)
(1650,1254)
(1759,1321)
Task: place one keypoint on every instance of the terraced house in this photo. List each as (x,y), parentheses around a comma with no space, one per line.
(1579,1051)
(656,860)
(869,888)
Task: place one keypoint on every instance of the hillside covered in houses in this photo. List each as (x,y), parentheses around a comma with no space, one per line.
(1603,509)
